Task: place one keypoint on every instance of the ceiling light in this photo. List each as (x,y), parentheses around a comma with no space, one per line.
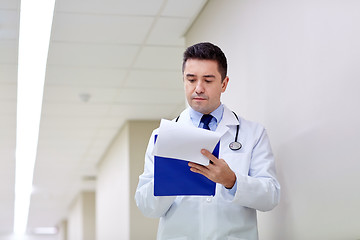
(35,27)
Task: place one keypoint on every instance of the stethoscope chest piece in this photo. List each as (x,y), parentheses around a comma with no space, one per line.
(235,146)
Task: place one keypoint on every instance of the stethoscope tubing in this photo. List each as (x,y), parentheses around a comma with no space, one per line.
(236,145)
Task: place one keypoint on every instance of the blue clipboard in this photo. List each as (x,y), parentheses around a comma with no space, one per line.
(172,177)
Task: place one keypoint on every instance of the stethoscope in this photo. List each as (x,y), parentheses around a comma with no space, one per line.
(236,145)
(233,145)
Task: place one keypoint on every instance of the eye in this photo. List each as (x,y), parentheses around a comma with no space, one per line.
(191,80)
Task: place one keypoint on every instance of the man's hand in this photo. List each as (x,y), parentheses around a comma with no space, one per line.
(218,171)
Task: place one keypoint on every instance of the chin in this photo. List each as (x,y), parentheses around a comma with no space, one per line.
(200,109)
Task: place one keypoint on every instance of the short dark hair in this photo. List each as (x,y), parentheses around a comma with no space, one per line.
(207,51)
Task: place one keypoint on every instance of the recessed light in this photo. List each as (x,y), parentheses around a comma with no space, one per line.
(85,97)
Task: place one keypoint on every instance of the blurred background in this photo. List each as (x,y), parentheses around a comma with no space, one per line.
(114,70)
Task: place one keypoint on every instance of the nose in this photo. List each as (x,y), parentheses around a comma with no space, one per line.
(199,88)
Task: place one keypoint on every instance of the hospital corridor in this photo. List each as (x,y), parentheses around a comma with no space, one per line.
(84,83)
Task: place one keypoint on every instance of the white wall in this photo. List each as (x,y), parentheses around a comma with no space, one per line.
(140,132)
(62,227)
(89,216)
(294,67)
(118,172)
(112,205)
(75,223)
(81,218)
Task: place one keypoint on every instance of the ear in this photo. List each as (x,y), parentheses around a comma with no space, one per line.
(224,84)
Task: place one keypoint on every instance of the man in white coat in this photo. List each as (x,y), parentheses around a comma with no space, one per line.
(245,178)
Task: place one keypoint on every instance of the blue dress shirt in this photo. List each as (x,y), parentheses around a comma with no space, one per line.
(217,116)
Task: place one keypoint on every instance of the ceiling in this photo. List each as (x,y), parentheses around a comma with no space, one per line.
(109,61)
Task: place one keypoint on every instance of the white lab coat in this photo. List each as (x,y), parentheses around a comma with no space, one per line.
(223,216)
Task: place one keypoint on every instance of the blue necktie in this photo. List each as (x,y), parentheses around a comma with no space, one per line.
(205,119)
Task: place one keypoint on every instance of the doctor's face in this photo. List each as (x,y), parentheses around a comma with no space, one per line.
(203,85)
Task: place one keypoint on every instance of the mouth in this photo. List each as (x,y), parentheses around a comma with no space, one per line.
(198,99)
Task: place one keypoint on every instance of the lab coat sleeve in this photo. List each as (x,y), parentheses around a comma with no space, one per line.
(150,205)
(259,189)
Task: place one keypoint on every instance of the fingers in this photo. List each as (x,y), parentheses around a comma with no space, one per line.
(218,172)
(197,167)
(209,155)
(200,168)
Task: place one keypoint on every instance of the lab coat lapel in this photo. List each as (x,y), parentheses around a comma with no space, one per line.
(185,118)
(227,120)
(222,128)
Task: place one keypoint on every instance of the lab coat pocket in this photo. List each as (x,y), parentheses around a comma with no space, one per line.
(238,161)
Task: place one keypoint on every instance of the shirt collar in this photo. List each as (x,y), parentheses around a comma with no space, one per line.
(196,116)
